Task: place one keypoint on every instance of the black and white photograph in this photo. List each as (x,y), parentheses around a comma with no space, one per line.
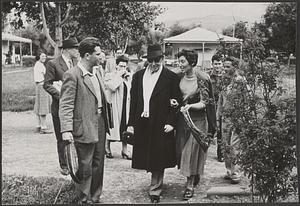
(149,102)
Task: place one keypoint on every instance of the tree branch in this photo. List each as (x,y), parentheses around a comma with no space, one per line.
(45,28)
(67,15)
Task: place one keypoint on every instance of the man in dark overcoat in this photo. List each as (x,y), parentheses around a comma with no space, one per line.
(55,69)
(152,119)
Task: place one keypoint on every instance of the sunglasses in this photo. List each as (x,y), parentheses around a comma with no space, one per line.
(156,59)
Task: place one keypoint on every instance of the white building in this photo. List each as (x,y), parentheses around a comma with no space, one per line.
(8,44)
(201,40)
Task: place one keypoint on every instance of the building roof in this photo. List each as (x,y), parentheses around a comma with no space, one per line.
(200,35)
(11,37)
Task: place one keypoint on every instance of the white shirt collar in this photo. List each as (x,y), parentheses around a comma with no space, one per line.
(66,59)
(84,70)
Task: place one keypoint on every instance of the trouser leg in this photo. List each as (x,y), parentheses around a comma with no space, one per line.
(156,183)
(219,140)
(84,173)
(232,152)
(43,122)
(59,141)
(190,182)
(98,163)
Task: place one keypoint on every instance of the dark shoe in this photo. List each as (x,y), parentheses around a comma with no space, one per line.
(96,201)
(109,155)
(188,193)
(37,129)
(45,131)
(125,156)
(154,198)
(64,171)
(227,176)
(81,199)
(221,159)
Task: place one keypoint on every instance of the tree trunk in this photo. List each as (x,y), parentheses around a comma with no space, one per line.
(58,29)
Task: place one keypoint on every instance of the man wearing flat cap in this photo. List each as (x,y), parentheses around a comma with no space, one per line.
(152,119)
(55,69)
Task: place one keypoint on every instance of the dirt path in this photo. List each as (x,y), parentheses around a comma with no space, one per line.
(25,152)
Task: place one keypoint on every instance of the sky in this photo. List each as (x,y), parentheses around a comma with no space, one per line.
(182,10)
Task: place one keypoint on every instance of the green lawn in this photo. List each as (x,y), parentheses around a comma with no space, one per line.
(18,91)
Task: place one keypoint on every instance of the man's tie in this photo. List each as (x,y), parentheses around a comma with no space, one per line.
(70,64)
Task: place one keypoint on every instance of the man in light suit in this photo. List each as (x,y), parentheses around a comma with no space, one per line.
(152,119)
(55,69)
(83,114)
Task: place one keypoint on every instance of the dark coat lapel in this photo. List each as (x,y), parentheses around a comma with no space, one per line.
(63,64)
(160,84)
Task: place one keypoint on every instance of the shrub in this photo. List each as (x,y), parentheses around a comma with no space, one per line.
(266,125)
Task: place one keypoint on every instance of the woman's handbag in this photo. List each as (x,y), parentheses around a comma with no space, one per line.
(72,160)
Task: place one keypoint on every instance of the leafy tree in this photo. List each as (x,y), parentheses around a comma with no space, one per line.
(280,26)
(114,23)
(48,15)
(240,30)
(177,29)
(266,124)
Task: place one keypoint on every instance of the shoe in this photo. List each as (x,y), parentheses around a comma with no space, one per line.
(220,159)
(38,129)
(154,198)
(227,176)
(81,199)
(64,171)
(109,155)
(96,201)
(235,178)
(188,193)
(125,156)
(45,131)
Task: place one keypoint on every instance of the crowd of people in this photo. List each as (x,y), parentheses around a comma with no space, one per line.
(96,100)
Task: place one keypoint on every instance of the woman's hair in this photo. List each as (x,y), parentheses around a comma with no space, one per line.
(190,55)
(121,58)
(38,55)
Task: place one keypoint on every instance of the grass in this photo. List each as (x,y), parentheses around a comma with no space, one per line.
(40,190)
(18,91)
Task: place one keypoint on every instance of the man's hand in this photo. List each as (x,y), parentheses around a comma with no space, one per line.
(168,128)
(185,108)
(130,129)
(67,136)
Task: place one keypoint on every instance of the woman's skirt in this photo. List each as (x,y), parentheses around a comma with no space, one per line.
(192,157)
(42,105)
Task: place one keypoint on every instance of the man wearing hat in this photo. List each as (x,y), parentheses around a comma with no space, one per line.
(152,119)
(55,69)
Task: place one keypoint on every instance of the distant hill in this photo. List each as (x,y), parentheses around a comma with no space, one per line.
(213,22)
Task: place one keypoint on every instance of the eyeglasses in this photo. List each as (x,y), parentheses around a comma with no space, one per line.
(156,59)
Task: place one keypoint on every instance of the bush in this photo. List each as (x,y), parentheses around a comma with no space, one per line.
(266,124)
(29,61)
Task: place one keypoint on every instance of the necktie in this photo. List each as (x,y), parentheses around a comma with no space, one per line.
(70,64)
